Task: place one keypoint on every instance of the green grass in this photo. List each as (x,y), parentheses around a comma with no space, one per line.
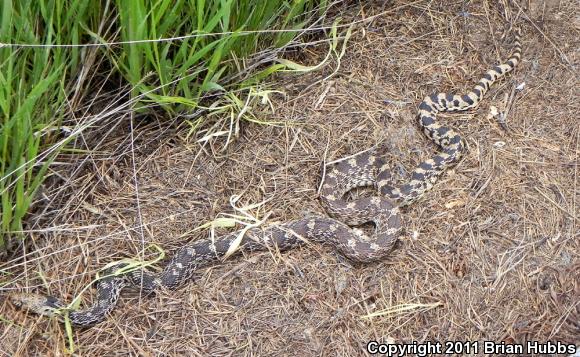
(203,42)
(32,88)
(220,32)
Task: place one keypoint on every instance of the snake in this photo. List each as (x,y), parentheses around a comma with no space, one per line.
(338,228)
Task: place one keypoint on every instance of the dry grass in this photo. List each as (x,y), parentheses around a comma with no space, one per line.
(494,246)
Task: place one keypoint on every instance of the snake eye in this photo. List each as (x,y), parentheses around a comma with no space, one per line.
(16,301)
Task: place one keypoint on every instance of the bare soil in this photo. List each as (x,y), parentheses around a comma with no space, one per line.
(491,253)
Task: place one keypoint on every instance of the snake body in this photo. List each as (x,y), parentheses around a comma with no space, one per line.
(365,169)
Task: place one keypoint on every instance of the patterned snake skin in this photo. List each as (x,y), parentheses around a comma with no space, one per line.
(362,170)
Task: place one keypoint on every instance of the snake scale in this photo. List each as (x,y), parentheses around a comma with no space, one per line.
(364,169)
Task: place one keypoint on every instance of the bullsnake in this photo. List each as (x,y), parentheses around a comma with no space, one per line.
(365,169)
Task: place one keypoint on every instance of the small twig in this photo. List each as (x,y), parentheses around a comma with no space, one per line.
(562,55)
(554,202)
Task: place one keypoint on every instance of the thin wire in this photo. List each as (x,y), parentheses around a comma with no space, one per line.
(200,34)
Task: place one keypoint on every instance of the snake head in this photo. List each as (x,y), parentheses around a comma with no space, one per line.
(36,303)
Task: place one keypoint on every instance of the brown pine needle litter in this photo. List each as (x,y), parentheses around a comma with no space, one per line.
(491,253)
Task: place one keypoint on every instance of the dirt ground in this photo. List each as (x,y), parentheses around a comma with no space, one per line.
(491,253)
